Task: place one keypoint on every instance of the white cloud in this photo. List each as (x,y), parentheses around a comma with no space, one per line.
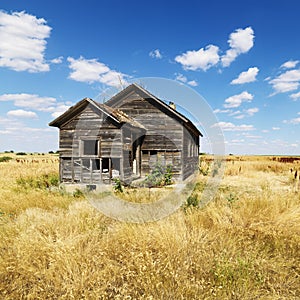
(234,113)
(35,102)
(192,83)
(240,41)
(182,78)
(155,54)
(57,60)
(8,122)
(253,136)
(30,101)
(86,70)
(59,110)
(275,128)
(90,70)
(251,111)
(294,121)
(23,42)
(237,141)
(295,96)
(16,135)
(237,114)
(223,111)
(239,117)
(286,82)
(247,76)
(290,64)
(20,113)
(237,100)
(20,130)
(227,126)
(202,59)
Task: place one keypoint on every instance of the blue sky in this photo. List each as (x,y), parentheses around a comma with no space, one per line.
(243,57)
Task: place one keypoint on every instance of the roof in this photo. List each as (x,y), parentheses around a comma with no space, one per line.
(146,94)
(114,113)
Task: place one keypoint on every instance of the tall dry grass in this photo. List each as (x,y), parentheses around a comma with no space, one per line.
(243,245)
(15,198)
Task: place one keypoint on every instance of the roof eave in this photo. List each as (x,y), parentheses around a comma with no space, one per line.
(60,119)
(72,110)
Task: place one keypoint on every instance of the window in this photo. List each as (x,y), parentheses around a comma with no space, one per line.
(153,152)
(105,165)
(95,164)
(192,147)
(90,147)
(189,148)
(88,163)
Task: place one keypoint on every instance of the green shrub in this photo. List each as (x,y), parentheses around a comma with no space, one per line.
(40,182)
(192,201)
(160,176)
(5,158)
(231,198)
(78,193)
(117,185)
(21,153)
(168,175)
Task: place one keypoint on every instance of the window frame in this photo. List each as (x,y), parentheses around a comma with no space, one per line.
(98,147)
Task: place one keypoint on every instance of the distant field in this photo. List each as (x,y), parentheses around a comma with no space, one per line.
(243,245)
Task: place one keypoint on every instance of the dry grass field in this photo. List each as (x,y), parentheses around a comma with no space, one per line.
(243,245)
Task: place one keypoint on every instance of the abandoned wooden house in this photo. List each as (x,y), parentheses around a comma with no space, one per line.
(125,137)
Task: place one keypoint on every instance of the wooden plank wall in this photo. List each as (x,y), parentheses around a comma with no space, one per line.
(159,124)
(173,158)
(126,152)
(164,133)
(89,124)
(190,157)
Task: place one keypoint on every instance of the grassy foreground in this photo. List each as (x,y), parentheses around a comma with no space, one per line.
(243,245)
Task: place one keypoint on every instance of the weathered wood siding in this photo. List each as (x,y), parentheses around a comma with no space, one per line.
(88,125)
(164,134)
(166,158)
(127,153)
(190,157)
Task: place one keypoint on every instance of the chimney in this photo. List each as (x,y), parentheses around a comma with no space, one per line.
(172,105)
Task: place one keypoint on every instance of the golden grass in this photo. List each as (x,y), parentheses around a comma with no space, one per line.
(144,195)
(243,245)
(14,199)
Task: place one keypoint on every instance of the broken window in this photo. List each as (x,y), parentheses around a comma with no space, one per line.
(90,147)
